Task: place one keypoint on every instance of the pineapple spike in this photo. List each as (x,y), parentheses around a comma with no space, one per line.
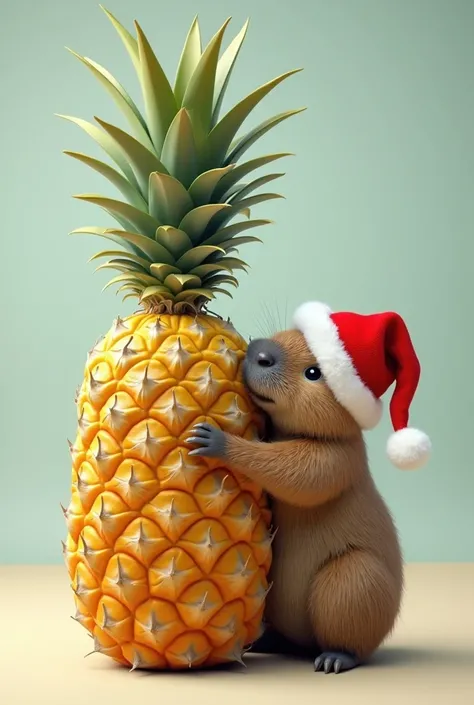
(269,587)
(237,655)
(97,648)
(102,512)
(106,621)
(137,662)
(203,605)
(85,547)
(210,543)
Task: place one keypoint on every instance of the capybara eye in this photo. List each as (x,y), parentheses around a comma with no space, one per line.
(312,373)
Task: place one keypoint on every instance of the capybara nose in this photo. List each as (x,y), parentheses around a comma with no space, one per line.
(263,353)
(265,359)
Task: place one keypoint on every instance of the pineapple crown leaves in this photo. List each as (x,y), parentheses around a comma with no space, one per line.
(177,171)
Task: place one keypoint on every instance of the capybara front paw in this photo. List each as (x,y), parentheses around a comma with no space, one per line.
(335,662)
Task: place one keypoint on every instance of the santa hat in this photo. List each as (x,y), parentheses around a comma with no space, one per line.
(360,356)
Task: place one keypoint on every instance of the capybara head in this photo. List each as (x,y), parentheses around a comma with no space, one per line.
(283,378)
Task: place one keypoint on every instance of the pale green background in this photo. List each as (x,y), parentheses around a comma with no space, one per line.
(379,215)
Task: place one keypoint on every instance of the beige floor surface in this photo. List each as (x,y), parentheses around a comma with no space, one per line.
(429,659)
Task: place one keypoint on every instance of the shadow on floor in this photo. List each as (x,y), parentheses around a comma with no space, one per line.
(389,657)
(393,656)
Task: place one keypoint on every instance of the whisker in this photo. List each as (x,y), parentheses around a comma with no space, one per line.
(265,325)
(280,325)
(271,321)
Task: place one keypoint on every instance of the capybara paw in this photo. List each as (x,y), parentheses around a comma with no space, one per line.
(335,662)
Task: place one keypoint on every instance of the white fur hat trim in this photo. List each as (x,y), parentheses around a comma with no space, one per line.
(313,319)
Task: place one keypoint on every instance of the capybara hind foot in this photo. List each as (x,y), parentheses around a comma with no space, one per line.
(335,662)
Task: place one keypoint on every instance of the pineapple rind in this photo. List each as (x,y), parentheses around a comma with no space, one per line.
(168,554)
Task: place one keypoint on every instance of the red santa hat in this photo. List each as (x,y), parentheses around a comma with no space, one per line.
(360,356)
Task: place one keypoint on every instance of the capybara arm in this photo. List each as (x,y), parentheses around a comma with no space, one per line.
(303,472)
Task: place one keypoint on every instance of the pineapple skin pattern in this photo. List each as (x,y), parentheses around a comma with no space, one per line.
(168,554)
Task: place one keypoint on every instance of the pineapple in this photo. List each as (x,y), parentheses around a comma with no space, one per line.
(168,554)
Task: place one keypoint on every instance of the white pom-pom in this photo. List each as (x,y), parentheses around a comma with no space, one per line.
(409,448)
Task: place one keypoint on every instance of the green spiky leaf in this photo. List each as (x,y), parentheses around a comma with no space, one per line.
(225,234)
(108,144)
(199,94)
(224,132)
(203,186)
(129,42)
(144,262)
(137,219)
(105,233)
(218,290)
(193,294)
(241,171)
(132,279)
(188,61)
(216,279)
(158,96)
(161,271)
(153,291)
(179,153)
(122,265)
(245,190)
(232,263)
(243,205)
(150,247)
(192,258)
(142,160)
(168,199)
(116,179)
(121,98)
(204,269)
(178,282)
(251,201)
(175,240)
(197,220)
(237,241)
(244,143)
(224,71)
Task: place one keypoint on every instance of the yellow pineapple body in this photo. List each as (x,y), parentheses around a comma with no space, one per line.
(168,554)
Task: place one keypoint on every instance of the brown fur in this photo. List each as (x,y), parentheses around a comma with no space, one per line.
(337,568)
